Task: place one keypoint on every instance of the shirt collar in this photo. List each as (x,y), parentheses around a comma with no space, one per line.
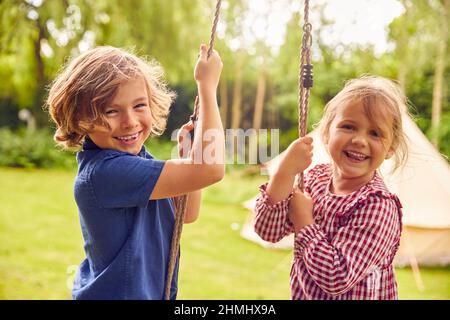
(88,144)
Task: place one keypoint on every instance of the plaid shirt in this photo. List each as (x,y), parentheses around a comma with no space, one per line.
(348,252)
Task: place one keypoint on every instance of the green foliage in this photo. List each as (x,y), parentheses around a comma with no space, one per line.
(170,32)
(32,150)
(161,148)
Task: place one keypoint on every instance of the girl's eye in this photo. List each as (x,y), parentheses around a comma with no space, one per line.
(375,133)
(347,126)
(141,105)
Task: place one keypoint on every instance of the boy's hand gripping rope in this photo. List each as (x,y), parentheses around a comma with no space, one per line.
(305,81)
(181,201)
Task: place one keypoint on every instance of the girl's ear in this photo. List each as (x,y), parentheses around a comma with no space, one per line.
(390,153)
(391,150)
(325,138)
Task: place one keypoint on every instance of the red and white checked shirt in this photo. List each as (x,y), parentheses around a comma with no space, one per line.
(348,252)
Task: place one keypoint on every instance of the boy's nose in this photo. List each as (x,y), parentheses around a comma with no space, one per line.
(129,121)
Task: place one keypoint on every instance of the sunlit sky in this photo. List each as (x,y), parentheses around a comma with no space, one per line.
(356,21)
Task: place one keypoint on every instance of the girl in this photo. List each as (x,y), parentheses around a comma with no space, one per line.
(107,102)
(347,224)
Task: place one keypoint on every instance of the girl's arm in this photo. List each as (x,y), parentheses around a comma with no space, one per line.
(206,165)
(298,157)
(336,265)
(300,210)
(272,222)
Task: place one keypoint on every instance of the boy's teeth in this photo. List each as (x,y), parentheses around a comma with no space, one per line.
(134,136)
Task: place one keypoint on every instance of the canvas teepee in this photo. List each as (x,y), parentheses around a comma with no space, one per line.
(423,186)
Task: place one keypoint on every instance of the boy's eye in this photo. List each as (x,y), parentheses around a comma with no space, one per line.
(110,112)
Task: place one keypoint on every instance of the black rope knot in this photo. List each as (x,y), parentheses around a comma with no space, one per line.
(307,75)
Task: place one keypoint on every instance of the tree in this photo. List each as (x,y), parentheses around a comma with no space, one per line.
(440,66)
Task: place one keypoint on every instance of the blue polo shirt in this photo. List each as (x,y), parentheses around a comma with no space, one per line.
(126,236)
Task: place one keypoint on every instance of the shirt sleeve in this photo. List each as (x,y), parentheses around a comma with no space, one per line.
(271,221)
(337,265)
(125,181)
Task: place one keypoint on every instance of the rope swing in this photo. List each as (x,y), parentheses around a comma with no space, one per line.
(305,81)
(180,202)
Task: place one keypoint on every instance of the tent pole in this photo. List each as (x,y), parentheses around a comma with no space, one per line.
(413,262)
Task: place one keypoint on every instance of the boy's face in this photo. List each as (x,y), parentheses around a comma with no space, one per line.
(129,117)
(357,145)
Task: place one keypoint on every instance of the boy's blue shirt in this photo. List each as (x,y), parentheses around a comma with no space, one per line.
(126,236)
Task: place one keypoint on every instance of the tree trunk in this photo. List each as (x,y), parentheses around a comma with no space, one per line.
(237,94)
(257,115)
(402,49)
(237,105)
(403,59)
(259,101)
(436,108)
(37,111)
(224,102)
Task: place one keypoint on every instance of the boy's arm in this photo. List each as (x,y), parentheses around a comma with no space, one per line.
(193,206)
(206,165)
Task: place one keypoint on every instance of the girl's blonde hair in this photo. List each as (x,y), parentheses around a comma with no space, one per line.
(372,93)
(87,85)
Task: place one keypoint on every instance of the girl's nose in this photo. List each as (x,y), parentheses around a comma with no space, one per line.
(359,140)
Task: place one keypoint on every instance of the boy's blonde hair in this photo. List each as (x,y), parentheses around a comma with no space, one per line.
(372,92)
(85,87)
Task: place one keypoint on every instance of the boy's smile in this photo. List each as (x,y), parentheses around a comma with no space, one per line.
(129,139)
(129,118)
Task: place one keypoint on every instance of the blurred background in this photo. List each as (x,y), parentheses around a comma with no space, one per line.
(259,41)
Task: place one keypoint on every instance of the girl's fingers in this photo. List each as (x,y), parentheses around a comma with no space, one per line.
(307,140)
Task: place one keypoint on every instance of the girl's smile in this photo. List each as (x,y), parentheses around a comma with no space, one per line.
(358,145)
(355,157)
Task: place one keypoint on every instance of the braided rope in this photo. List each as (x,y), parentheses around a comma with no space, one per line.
(304,81)
(181,201)
(214,27)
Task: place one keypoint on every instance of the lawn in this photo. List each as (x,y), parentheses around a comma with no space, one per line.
(41,244)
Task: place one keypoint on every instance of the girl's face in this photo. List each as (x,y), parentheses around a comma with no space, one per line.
(129,117)
(357,145)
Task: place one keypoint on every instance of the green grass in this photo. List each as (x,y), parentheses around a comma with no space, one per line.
(41,244)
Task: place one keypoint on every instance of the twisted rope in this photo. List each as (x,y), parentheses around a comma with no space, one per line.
(181,201)
(305,81)
(214,27)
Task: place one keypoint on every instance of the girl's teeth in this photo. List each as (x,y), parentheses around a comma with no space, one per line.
(356,156)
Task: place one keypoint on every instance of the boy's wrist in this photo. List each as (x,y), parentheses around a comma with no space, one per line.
(206,88)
